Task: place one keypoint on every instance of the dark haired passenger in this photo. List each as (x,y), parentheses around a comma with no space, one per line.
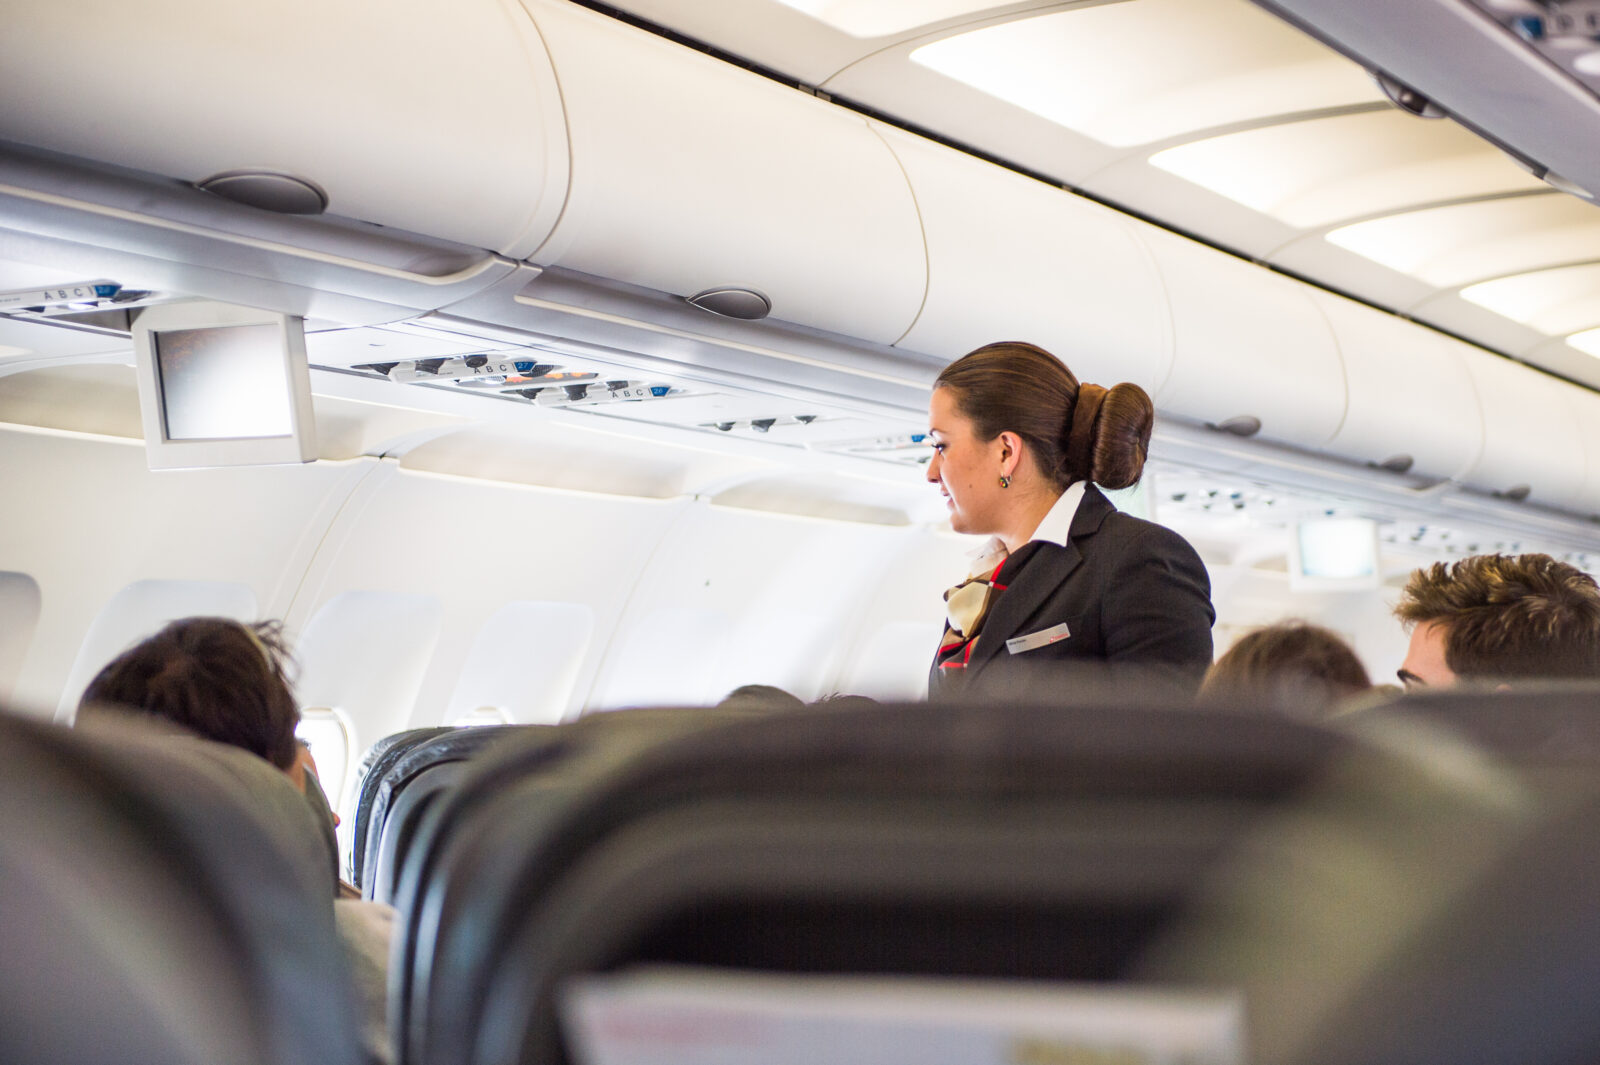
(1068,581)
(1499,617)
(228,682)
(1292,667)
(216,677)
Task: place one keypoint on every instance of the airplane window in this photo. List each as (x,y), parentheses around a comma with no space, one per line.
(19,613)
(327,732)
(138,611)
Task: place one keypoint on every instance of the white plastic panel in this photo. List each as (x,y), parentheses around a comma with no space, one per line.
(439,118)
(1586,415)
(19,615)
(139,611)
(1530,433)
(364,653)
(1409,392)
(1010,258)
(1246,343)
(523,663)
(689,173)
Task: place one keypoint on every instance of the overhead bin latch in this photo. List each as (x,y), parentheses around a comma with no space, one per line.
(745,304)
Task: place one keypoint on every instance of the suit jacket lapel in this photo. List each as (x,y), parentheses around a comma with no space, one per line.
(1036,581)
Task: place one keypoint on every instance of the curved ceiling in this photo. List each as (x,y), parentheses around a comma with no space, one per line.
(1214,118)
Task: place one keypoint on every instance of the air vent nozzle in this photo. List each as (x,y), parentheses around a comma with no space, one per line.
(745,304)
(268,190)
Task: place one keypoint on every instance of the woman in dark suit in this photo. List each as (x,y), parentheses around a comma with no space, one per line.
(1068,581)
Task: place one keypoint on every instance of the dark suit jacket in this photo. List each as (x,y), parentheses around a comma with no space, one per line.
(1134,595)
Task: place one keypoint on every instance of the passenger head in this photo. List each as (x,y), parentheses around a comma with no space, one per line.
(216,677)
(761,697)
(1500,616)
(1299,668)
(1009,420)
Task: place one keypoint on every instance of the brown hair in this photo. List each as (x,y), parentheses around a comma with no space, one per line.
(1304,668)
(1509,615)
(1074,432)
(214,676)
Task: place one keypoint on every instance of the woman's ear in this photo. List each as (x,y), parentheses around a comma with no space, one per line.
(1010,453)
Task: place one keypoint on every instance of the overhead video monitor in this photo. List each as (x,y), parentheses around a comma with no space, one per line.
(223,385)
(1334,555)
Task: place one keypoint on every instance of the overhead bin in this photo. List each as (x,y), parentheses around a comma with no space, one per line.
(691,174)
(1532,445)
(1250,348)
(442,119)
(1411,405)
(1011,258)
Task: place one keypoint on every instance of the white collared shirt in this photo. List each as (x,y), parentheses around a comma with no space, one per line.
(1054,529)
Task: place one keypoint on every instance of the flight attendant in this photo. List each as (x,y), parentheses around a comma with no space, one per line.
(1068,586)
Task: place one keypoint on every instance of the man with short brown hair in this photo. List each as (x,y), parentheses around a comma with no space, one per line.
(1493,617)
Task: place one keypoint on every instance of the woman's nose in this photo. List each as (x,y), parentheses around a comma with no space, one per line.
(933,469)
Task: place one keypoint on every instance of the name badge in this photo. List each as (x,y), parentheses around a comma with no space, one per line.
(1035,640)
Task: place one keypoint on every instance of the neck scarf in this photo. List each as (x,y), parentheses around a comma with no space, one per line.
(967,605)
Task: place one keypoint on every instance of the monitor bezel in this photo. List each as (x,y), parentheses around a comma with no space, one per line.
(164,453)
(1301,581)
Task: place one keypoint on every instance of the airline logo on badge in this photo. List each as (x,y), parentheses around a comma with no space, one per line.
(1035,640)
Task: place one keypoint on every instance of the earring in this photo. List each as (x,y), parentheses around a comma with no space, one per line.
(1005,482)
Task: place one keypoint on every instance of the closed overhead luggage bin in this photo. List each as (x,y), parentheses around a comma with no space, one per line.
(443,120)
(1251,351)
(1532,447)
(1011,258)
(690,174)
(1412,407)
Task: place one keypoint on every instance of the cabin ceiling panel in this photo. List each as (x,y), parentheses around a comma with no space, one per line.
(1317,172)
(1456,245)
(1134,73)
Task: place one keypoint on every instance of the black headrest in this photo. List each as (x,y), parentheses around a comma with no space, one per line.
(369,775)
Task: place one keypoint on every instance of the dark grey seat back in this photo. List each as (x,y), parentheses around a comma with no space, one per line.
(165,899)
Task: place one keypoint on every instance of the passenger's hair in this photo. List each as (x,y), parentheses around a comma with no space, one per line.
(1074,432)
(762,697)
(214,676)
(1509,615)
(1301,668)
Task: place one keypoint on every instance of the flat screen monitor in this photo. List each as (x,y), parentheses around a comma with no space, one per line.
(1334,554)
(223,385)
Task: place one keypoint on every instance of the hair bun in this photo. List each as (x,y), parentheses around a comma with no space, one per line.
(1119,437)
